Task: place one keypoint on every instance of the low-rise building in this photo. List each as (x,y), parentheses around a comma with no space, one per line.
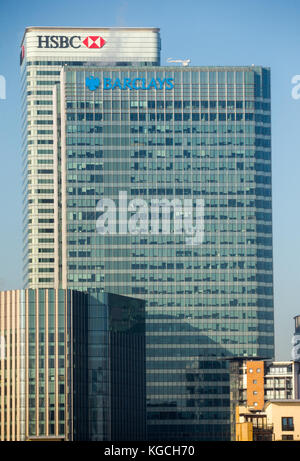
(284,416)
(259,381)
(252,425)
(254,382)
(279,420)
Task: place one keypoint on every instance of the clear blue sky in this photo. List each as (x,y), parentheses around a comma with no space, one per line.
(211,32)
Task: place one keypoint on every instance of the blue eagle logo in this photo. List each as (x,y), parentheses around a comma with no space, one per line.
(92,83)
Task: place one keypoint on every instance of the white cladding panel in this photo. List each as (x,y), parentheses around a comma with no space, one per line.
(120,44)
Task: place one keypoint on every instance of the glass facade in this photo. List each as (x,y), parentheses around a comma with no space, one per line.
(40,70)
(208,137)
(68,362)
(109,380)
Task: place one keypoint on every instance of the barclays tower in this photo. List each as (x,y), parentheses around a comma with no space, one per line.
(156,183)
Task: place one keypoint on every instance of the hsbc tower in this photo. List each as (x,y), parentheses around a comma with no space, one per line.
(44,50)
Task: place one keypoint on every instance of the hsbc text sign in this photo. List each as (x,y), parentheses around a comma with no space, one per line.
(76,41)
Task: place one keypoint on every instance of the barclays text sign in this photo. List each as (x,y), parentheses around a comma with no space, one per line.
(130,84)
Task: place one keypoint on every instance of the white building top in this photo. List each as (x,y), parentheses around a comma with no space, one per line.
(107,44)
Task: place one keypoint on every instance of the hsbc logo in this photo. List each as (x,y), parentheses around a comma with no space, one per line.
(62,41)
(94,42)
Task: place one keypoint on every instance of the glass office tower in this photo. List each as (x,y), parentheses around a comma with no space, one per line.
(183,133)
(44,50)
(72,366)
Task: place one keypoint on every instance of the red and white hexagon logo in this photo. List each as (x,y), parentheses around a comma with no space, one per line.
(94,42)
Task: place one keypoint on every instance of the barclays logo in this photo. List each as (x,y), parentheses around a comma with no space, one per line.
(93,83)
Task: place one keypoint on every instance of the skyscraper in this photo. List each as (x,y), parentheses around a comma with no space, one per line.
(177,141)
(44,50)
(72,366)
